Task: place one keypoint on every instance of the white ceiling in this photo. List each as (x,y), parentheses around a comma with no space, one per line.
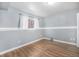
(42,8)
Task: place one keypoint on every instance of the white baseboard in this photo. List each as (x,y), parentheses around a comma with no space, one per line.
(45,38)
(77,45)
(64,42)
(12,49)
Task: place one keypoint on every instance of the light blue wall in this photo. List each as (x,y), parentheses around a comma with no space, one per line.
(13,38)
(9,19)
(66,18)
(69,35)
(41,23)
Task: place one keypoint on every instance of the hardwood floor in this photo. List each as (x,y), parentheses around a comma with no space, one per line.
(45,48)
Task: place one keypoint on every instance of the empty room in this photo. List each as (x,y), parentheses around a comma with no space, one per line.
(39,29)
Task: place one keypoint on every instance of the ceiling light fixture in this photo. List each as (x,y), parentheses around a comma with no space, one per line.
(51,3)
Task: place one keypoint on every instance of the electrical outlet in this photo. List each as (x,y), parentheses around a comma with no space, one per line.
(72,39)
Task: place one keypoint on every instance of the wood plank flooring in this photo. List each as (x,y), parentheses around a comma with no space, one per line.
(45,48)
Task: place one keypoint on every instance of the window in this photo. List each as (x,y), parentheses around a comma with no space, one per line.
(29,23)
